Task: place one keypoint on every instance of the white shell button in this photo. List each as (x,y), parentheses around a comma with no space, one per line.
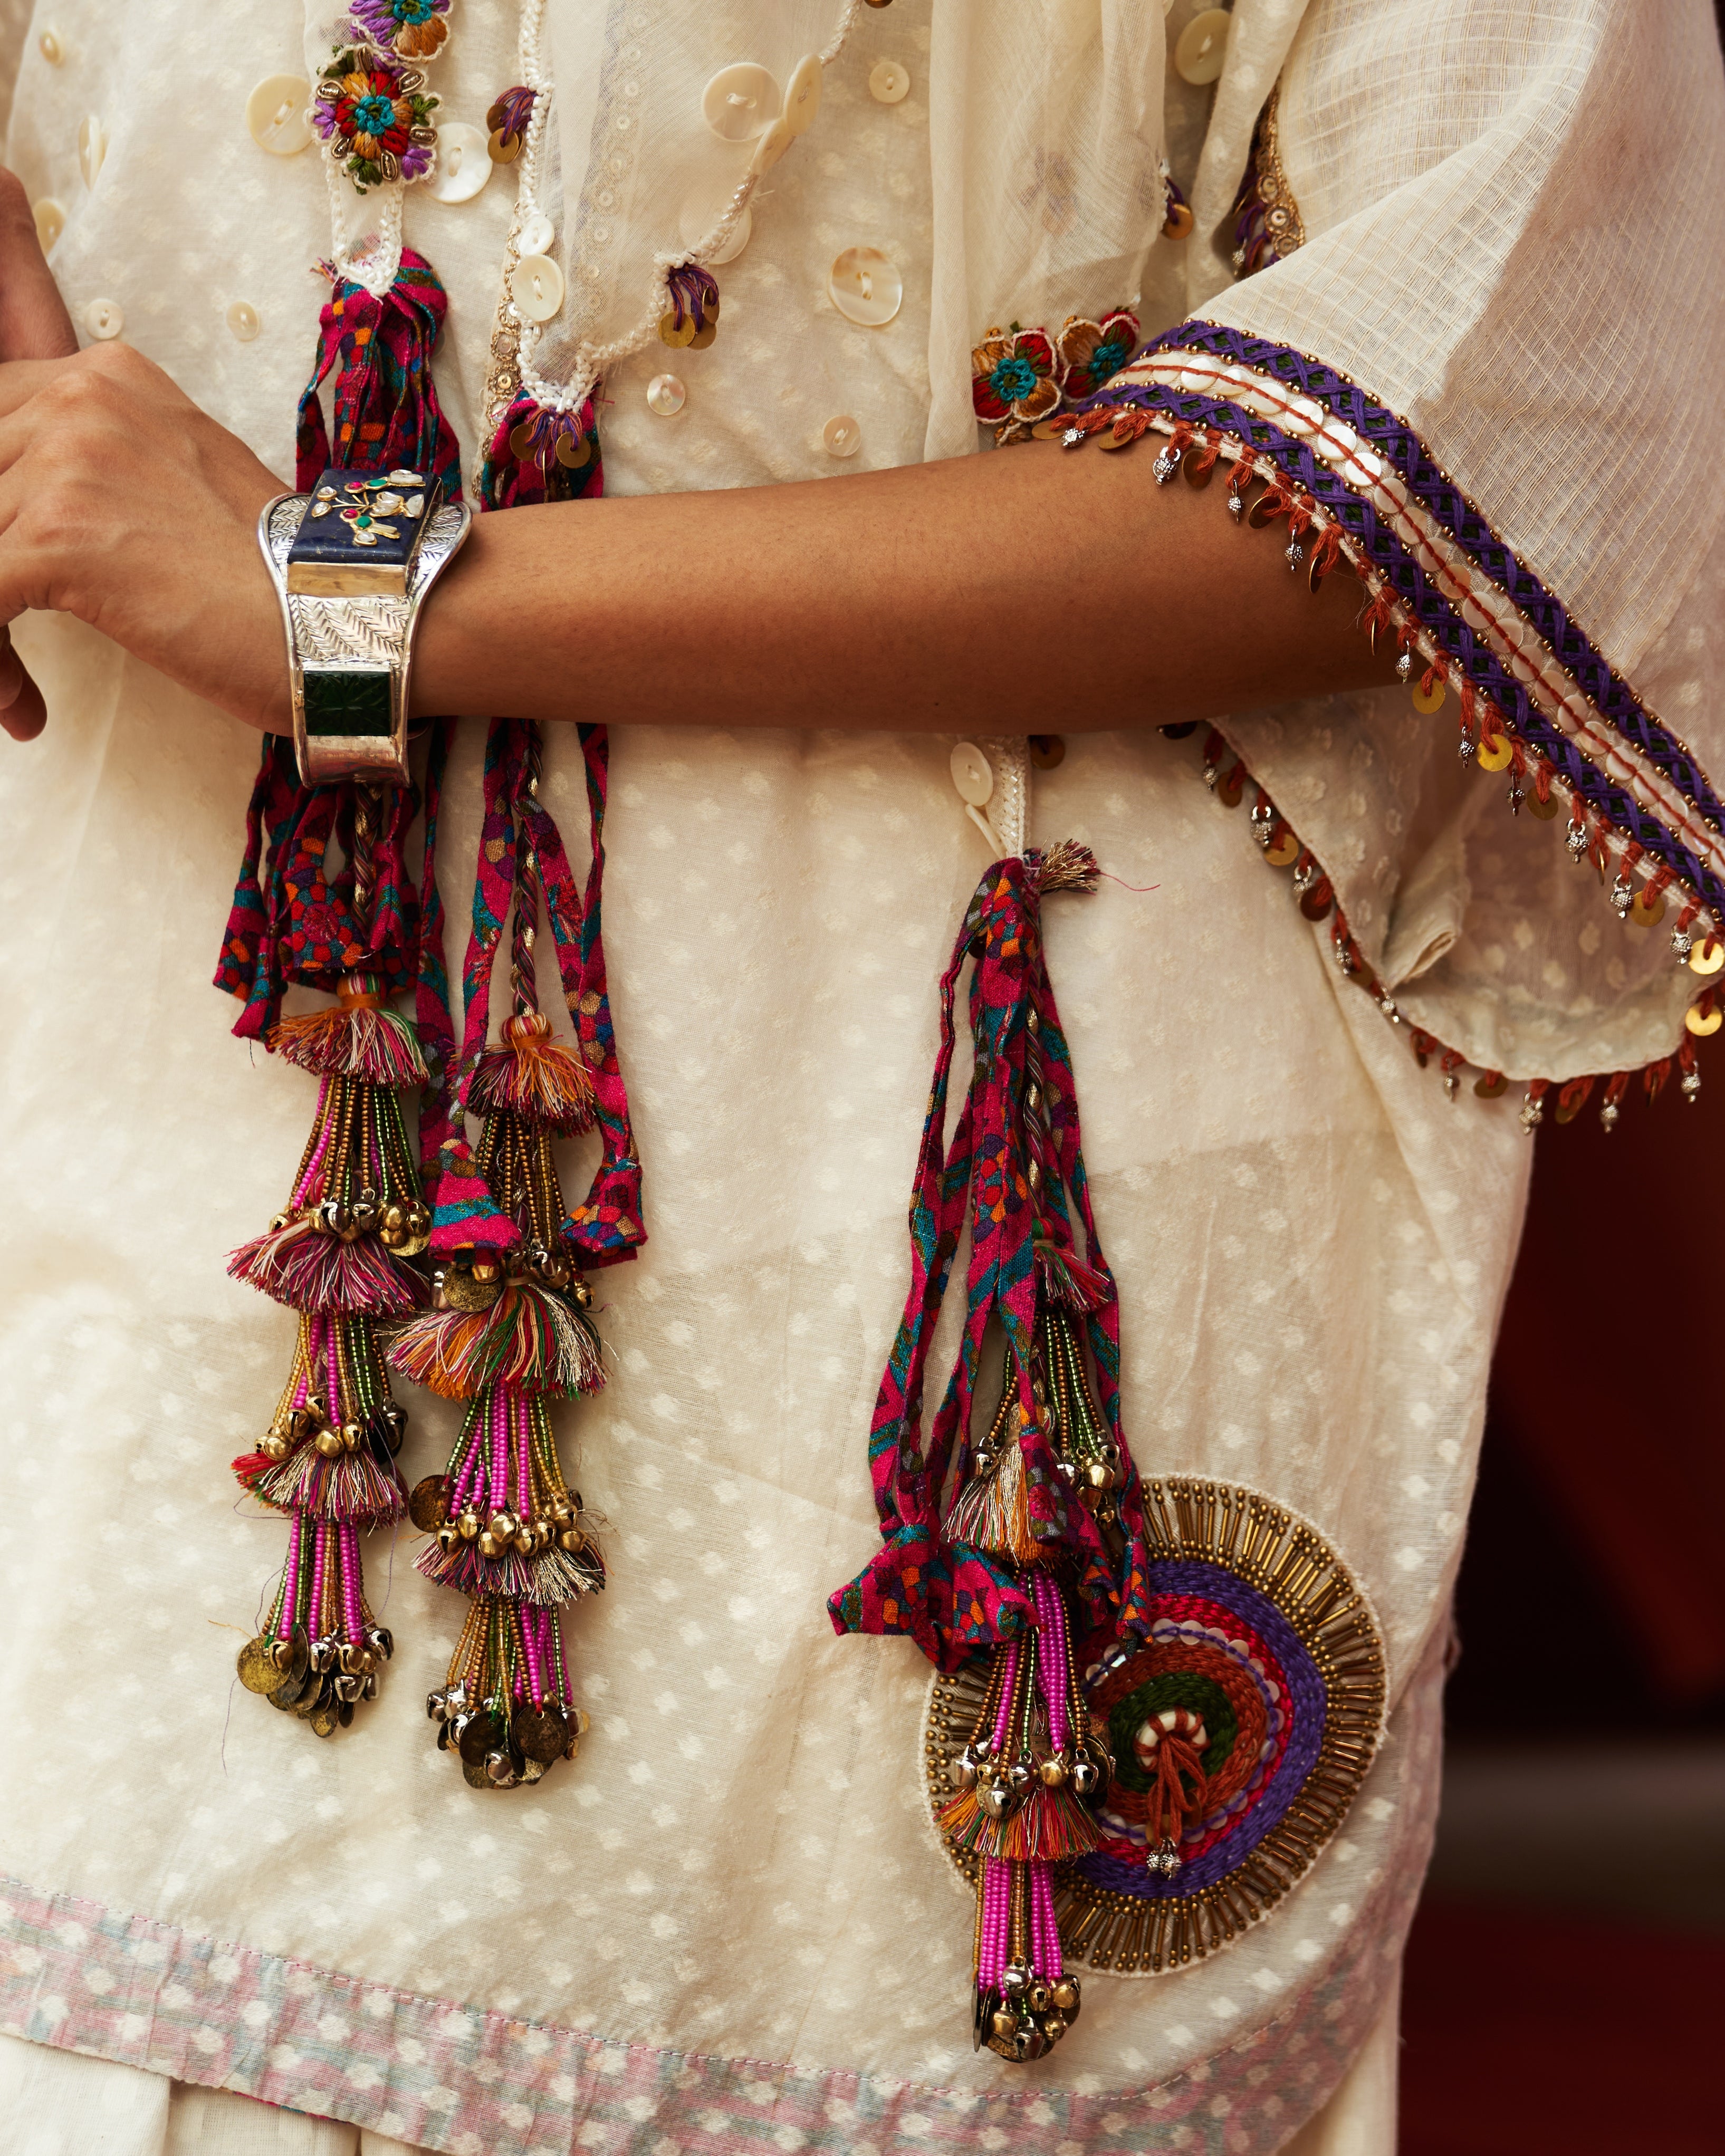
(92,148)
(103,319)
(50,217)
(463,165)
(842,436)
(772,147)
(537,233)
(971,775)
(242,321)
(538,287)
(741,101)
(802,97)
(1203,46)
(275,115)
(888,82)
(865,287)
(666,396)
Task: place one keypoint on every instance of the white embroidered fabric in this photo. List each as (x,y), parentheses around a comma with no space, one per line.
(1312,1243)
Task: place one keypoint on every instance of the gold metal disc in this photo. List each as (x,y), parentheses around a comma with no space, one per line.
(1488,1089)
(1702,1022)
(572,453)
(669,333)
(1314,907)
(462,1292)
(1645,915)
(540,1733)
(704,336)
(483,1734)
(427,1506)
(476,1776)
(1544,810)
(257,1672)
(1197,476)
(1433,701)
(1495,752)
(1284,852)
(1706,955)
(505,148)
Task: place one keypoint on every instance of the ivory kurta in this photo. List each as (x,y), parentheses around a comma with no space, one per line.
(730,1922)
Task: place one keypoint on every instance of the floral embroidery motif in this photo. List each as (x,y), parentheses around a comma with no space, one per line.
(1013,376)
(1019,378)
(375,119)
(411,29)
(1092,353)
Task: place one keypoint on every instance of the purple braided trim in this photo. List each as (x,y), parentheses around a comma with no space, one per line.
(1307,1706)
(1449,508)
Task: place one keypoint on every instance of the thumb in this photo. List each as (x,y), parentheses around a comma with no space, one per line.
(33,321)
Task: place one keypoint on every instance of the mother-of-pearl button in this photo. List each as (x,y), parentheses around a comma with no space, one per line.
(275,116)
(741,101)
(242,321)
(538,287)
(1203,46)
(972,776)
(703,206)
(888,82)
(102,318)
(842,437)
(463,165)
(92,148)
(50,48)
(666,396)
(802,97)
(865,287)
(537,232)
(50,222)
(772,147)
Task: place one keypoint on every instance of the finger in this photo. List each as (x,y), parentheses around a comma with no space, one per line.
(22,713)
(33,321)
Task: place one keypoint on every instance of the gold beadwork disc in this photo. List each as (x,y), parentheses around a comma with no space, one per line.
(1283,1593)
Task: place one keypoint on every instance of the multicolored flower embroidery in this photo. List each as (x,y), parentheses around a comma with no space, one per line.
(375,119)
(1092,353)
(1012,378)
(411,29)
(1019,378)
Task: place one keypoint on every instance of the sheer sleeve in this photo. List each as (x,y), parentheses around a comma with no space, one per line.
(1485,377)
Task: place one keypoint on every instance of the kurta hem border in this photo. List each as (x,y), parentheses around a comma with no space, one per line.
(438,2075)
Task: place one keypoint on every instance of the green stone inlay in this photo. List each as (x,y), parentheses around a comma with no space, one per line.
(347,704)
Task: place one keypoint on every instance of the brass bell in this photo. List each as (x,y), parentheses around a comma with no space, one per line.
(571,1538)
(993,1800)
(329,1442)
(1053,1773)
(524,1539)
(1099,1475)
(437,1706)
(962,1771)
(448,1538)
(381,1642)
(1004,2023)
(274,1446)
(485,1270)
(1053,2028)
(1066,1995)
(469,1525)
(498,1770)
(352,1437)
(488,1545)
(1039,1997)
(1084,1777)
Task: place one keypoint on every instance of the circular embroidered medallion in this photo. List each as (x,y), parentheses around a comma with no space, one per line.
(1240,1729)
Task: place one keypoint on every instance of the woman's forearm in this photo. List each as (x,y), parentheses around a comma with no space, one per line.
(1028,590)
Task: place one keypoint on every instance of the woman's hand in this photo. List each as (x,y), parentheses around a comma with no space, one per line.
(122,503)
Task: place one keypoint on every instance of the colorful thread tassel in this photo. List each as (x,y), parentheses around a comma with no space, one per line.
(996,1549)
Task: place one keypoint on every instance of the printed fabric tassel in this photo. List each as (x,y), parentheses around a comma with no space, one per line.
(510,1331)
(1004,1548)
(337,1254)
